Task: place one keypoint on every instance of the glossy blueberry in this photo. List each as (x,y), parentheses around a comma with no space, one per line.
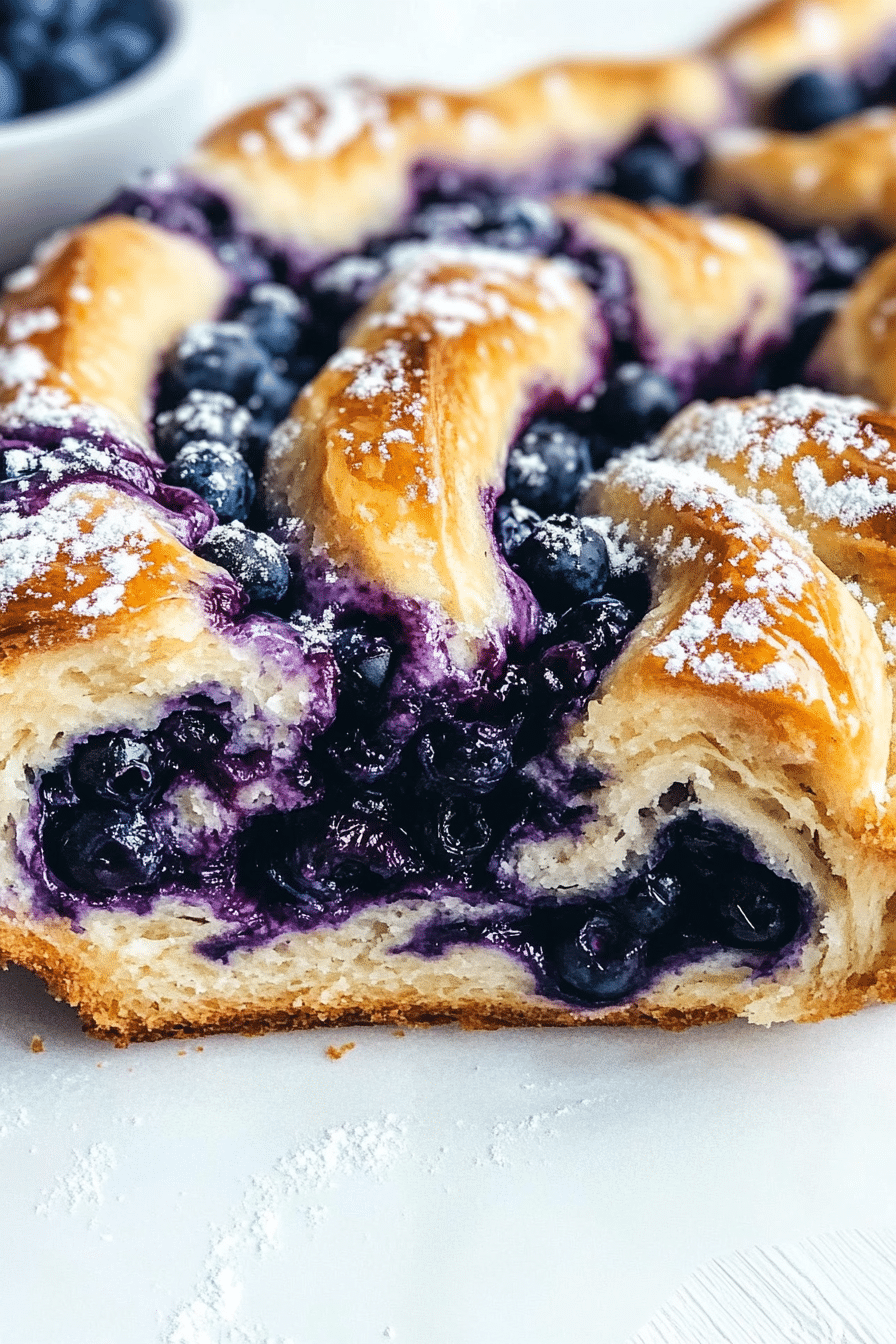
(464,759)
(563,673)
(254,559)
(217,357)
(651,902)
(601,624)
(816,98)
(546,466)
(217,474)
(364,755)
(104,851)
(458,831)
(275,316)
(592,955)
(129,46)
(635,405)
(75,68)
(23,42)
(193,736)
(650,172)
(365,660)
(757,909)
(564,562)
(11,96)
(731,896)
(211,416)
(115,768)
(357,849)
(513,523)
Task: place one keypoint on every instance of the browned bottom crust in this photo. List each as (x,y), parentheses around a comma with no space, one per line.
(109,1019)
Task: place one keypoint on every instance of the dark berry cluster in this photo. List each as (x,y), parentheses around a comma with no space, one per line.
(56,52)
(104,829)
(703,889)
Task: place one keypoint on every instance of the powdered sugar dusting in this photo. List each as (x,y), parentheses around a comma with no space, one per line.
(317,125)
(100,541)
(761,580)
(842,466)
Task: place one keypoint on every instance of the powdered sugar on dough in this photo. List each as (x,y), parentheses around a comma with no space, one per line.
(806,429)
(103,546)
(318,125)
(768,569)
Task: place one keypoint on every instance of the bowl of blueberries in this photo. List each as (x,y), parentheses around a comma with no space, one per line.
(91,91)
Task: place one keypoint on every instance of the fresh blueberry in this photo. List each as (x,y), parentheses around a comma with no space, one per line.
(272,397)
(11,98)
(458,832)
(816,98)
(115,768)
(216,357)
(193,736)
(75,68)
(636,404)
(651,902)
(77,16)
(601,624)
(217,474)
(275,316)
(254,559)
(564,561)
(128,46)
(464,759)
(592,955)
(23,42)
(41,11)
(650,172)
(814,314)
(513,523)
(546,466)
(104,851)
(365,660)
(828,260)
(210,416)
(523,226)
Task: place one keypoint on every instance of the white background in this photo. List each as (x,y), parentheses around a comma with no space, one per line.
(437,1187)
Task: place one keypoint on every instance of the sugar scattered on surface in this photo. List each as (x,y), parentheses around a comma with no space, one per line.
(318,125)
(83,1184)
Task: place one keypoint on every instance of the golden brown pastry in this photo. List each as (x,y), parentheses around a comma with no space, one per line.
(843,175)
(323,170)
(858,351)
(339,686)
(770,45)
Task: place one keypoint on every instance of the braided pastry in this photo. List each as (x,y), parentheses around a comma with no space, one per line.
(379,644)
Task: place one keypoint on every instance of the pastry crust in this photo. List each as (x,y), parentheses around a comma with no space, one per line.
(434,377)
(843,175)
(769,46)
(323,170)
(82,331)
(857,353)
(707,294)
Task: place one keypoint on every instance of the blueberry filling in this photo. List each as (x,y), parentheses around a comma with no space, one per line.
(702,890)
(816,98)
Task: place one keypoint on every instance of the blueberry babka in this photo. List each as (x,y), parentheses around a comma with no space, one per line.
(446,553)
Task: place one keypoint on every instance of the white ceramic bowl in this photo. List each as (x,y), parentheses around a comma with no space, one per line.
(57,167)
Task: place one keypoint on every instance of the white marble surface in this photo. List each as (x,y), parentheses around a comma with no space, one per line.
(435,1188)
